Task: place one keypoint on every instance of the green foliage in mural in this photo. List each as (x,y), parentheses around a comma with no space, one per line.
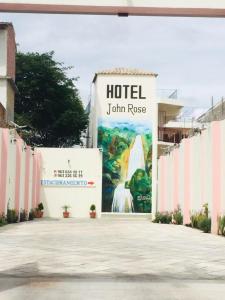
(140,189)
(116,143)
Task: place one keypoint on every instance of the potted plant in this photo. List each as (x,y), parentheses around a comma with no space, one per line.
(66,213)
(93,211)
(39,211)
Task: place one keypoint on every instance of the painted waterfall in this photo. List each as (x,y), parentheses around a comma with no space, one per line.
(127,166)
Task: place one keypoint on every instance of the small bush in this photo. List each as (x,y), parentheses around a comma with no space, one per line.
(31,215)
(164,218)
(12,216)
(205,224)
(3,220)
(194,220)
(221,225)
(206,209)
(23,215)
(177,217)
(201,220)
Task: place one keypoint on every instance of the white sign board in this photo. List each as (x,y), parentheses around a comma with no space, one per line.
(194,8)
(71,177)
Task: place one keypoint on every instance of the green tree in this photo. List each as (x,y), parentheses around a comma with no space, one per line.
(48,101)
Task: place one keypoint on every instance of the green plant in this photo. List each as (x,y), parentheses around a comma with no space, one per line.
(205,224)
(3,220)
(12,216)
(31,215)
(93,207)
(66,120)
(177,216)
(201,220)
(23,215)
(66,207)
(194,220)
(163,218)
(221,225)
(206,209)
(40,206)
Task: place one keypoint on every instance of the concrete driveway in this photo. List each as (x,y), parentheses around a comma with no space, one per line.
(109,259)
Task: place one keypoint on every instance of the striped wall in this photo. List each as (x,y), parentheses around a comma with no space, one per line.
(19,173)
(194,174)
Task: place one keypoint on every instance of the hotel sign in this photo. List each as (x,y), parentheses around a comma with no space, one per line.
(191,8)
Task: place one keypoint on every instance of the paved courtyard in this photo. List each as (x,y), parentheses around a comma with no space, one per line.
(109,259)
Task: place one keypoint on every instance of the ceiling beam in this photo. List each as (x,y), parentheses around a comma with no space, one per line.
(179,8)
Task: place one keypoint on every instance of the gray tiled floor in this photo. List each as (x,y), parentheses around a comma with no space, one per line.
(42,254)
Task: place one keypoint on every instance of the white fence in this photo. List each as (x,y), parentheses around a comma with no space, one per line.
(194,174)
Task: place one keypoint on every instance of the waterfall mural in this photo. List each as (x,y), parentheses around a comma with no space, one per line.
(125,110)
(127,166)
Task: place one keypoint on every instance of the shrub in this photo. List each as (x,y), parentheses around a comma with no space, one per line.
(205,224)
(221,225)
(12,216)
(23,215)
(177,216)
(3,220)
(201,219)
(164,218)
(31,215)
(194,220)
(206,209)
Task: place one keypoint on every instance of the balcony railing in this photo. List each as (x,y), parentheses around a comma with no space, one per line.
(170,135)
(215,113)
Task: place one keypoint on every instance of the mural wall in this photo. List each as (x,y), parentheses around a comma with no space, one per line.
(125,135)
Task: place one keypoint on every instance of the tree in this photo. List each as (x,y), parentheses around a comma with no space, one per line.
(48,101)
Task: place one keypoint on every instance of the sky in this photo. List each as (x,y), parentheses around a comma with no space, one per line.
(187,53)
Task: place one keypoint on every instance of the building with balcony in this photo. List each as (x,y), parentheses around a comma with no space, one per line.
(175,122)
(133,124)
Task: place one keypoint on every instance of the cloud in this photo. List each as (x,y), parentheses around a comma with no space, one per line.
(187,53)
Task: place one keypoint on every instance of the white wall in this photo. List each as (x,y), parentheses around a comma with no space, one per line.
(78,198)
(207,174)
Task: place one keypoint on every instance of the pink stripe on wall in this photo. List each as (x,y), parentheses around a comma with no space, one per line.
(3,169)
(27,179)
(187,180)
(19,143)
(34,178)
(176,179)
(38,179)
(162,185)
(203,169)
(216,174)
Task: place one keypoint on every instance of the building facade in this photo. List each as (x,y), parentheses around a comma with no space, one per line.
(7,72)
(125,118)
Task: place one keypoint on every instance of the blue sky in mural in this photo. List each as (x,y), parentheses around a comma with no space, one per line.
(139,128)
